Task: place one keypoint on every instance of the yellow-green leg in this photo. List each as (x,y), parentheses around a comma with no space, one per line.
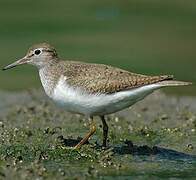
(89,134)
(105,131)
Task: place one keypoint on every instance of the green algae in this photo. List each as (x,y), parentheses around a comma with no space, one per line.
(36,141)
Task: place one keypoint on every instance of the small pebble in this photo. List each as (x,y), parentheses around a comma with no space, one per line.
(190,146)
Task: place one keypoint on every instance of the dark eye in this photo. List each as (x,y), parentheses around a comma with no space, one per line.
(37,52)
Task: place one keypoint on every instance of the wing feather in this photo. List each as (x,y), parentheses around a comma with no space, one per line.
(99,78)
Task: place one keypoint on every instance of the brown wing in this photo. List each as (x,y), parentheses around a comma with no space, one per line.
(99,78)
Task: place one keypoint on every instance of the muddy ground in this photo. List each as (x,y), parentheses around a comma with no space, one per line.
(156,138)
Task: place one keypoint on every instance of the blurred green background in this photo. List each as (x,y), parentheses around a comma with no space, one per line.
(149,37)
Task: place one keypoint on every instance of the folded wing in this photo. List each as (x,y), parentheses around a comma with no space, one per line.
(99,78)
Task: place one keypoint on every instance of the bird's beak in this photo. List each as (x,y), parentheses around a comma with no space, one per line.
(19,62)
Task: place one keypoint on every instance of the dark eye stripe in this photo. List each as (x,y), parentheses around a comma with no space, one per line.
(47,50)
(30,55)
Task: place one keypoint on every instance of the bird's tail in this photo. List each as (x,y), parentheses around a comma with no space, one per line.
(173,83)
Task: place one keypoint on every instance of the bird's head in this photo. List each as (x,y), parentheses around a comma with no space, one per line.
(38,55)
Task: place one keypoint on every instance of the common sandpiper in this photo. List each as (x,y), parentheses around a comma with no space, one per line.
(90,89)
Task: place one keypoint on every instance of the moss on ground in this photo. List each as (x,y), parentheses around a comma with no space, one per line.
(36,141)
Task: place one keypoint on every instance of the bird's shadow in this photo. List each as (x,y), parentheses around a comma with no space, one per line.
(162,153)
(129,148)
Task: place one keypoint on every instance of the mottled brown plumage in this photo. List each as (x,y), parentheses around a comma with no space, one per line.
(99,78)
(96,78)
(93,78)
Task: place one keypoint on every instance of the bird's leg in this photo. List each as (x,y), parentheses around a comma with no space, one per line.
(90,133)
(105,131)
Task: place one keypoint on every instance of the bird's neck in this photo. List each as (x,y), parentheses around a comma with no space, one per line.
(49,76)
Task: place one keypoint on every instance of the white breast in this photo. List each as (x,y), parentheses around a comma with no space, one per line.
(76,100)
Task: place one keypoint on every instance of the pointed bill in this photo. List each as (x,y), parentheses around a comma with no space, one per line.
(17,63)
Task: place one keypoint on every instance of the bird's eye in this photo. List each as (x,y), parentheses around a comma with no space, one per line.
(37,52)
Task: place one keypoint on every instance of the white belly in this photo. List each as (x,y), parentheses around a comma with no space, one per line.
(75,100)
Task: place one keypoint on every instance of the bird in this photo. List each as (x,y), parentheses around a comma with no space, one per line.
(90,89)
